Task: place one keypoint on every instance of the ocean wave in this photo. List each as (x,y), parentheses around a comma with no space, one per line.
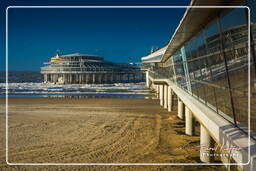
(81,89)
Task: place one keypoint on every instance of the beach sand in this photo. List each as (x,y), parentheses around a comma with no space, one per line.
(65,130)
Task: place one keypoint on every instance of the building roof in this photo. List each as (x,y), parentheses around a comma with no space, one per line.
(155,56)
(193,22)
(77,55)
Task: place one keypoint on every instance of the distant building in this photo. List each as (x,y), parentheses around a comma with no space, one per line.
(89,69)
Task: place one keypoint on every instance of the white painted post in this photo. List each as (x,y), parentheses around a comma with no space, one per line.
(157,91)
(45,78)
(169,99)
(86,78)
(147,79)
(161,95)
(181,109)
(165,96)
(93,78)
(206,146)
(190,122)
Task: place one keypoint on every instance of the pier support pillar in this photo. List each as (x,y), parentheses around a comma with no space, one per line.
(64,78)
(71,78)
(157,91)
(45,78)
(105,78)
(161,94)
(111,78)
(206,146)
(147,79)
(100,79)
(93,78)
(165,96)
(83,78)
(181,109)
(169,99)
(121,78)
(190,122)
(86,78)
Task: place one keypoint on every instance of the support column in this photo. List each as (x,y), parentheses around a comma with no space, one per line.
(55,78)
(71,78)
(100,78)
(75,78)
(111,78)
(64,78)
(157,91)
(190,122)
(169,99)
(165,96)
(96,78)
(161,95)
(106,78)
(206,146)
(181,109)
(147,79)
(93,78)
(118,78)
(121,78)
(83,78)
(114,77)
(86,78)
(45,78)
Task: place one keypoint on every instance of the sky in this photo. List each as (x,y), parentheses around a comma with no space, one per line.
(119,35)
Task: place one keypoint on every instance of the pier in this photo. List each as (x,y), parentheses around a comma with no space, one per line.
(89,69)
(205,67)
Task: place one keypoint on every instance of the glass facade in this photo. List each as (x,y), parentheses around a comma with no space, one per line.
(213,66)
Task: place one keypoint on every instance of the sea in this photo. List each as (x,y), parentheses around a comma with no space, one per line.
(30,84)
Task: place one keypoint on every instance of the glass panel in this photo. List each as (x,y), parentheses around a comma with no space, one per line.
(212,37)
(201,45)
(223,100)
(235,42)
(252,5)
(211,97)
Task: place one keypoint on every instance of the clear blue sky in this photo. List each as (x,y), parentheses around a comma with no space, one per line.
(120,35)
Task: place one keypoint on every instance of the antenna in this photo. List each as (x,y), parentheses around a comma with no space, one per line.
(58,53)
(152,49)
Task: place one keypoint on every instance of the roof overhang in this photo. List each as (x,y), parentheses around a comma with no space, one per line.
(194,20)
(151,57)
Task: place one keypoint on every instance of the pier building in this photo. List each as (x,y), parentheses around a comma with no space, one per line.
(89,69)
(208,70)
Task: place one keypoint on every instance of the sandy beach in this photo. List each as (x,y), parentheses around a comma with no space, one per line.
(63,130)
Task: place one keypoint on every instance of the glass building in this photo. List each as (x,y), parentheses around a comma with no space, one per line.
(208,58)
